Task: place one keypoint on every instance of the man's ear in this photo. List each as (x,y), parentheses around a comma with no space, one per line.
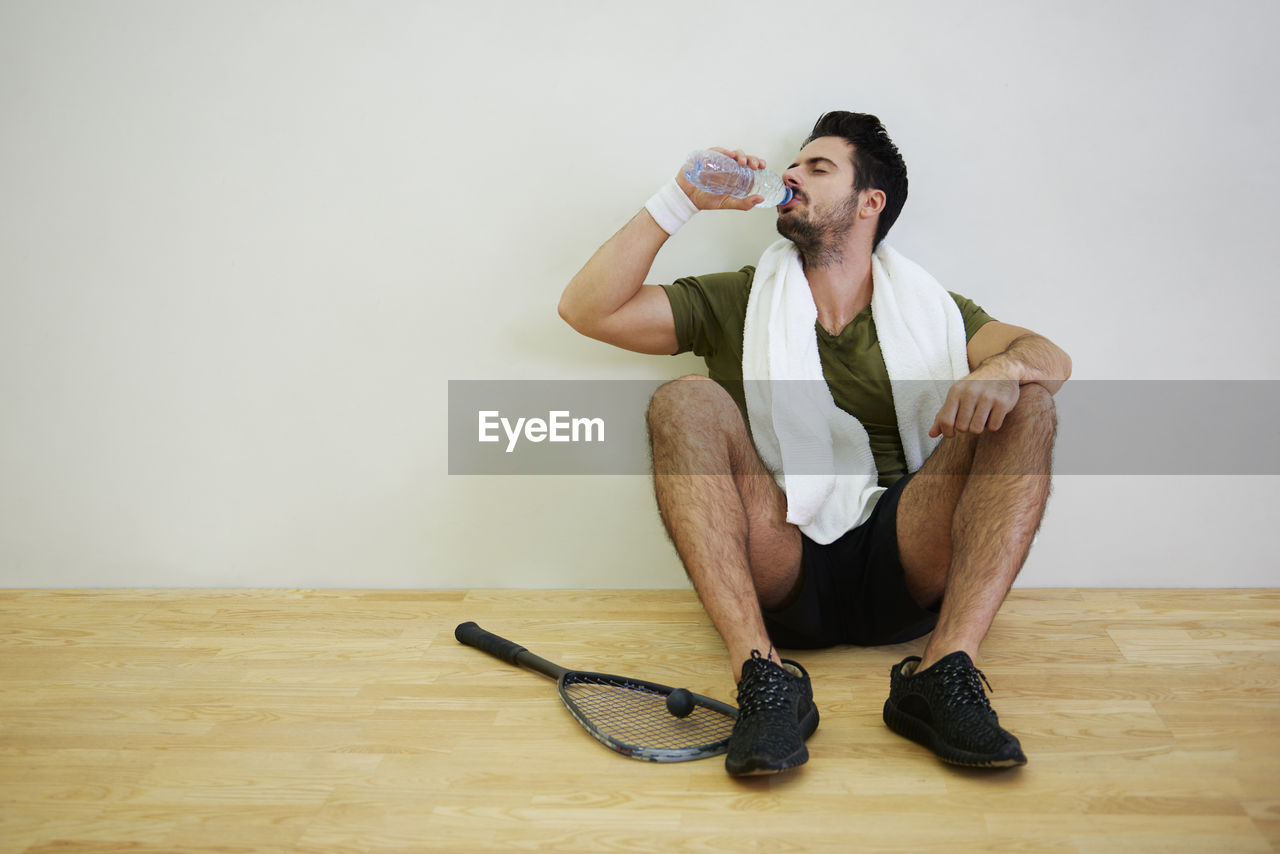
(872,203)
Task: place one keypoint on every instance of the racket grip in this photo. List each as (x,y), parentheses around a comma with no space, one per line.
(499,647)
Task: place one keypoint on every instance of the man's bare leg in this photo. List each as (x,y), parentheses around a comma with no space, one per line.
(966,521)
(723,510)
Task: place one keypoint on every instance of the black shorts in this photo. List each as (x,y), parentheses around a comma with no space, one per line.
(853,590)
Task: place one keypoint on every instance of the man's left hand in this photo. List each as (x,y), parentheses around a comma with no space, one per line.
(976,403)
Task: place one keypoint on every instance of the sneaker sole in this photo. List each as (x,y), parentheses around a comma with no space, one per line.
(751,769)
(911,727)
(809,722)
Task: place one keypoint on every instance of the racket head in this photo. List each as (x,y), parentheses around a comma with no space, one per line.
(630,717)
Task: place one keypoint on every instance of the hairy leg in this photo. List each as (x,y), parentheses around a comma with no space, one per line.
(966,521)
(723,511)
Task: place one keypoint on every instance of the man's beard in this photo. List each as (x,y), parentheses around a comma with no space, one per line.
(821,239)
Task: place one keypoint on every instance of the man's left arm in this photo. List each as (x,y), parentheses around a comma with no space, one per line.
(1002,359)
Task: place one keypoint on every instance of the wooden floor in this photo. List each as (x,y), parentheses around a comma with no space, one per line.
(174,721)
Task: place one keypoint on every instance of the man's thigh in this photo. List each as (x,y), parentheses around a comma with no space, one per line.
(925,512)
(773,544)
(699,414)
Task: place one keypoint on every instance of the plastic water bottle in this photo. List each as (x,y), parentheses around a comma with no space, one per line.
(719,173)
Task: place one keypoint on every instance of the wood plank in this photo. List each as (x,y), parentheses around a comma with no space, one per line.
(329,721)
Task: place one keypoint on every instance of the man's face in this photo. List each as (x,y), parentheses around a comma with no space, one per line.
(824,206)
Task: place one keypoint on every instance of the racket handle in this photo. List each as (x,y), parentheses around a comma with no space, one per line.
(472,635)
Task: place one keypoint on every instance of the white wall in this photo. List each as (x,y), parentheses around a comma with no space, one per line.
(245,245)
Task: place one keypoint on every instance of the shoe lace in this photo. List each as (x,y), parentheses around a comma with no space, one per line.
(764,686)
(962,686)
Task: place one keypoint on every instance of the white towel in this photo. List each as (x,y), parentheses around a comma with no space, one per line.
(818,453)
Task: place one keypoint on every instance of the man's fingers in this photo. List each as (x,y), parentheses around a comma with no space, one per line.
(998,413)
(742,157)
(1002,405)
(964,410)
(979,421)
(974,406)
(944,423)
(734,203)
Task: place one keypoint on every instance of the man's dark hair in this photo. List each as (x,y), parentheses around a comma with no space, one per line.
(876,161)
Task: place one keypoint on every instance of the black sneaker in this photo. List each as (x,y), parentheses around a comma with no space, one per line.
(945,709)
(775,715)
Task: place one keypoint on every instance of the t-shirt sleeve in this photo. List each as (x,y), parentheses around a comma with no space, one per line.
(974,317)
(700,305)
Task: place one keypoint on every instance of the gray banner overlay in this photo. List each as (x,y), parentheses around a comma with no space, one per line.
(1134,427)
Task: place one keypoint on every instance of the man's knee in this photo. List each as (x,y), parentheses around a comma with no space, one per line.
(689,397)
(1032,425)
(1036,407)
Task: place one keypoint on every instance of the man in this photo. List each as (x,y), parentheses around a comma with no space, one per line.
(932,439)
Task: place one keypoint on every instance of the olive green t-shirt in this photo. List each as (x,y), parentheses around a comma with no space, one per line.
(710,313)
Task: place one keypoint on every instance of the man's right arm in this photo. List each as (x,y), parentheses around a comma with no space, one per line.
(608,299)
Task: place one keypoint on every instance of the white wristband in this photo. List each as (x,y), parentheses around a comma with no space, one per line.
(670,207)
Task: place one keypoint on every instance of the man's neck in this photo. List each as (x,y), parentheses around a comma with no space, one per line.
(841,287)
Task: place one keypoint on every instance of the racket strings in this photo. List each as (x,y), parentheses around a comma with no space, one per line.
(637,715)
